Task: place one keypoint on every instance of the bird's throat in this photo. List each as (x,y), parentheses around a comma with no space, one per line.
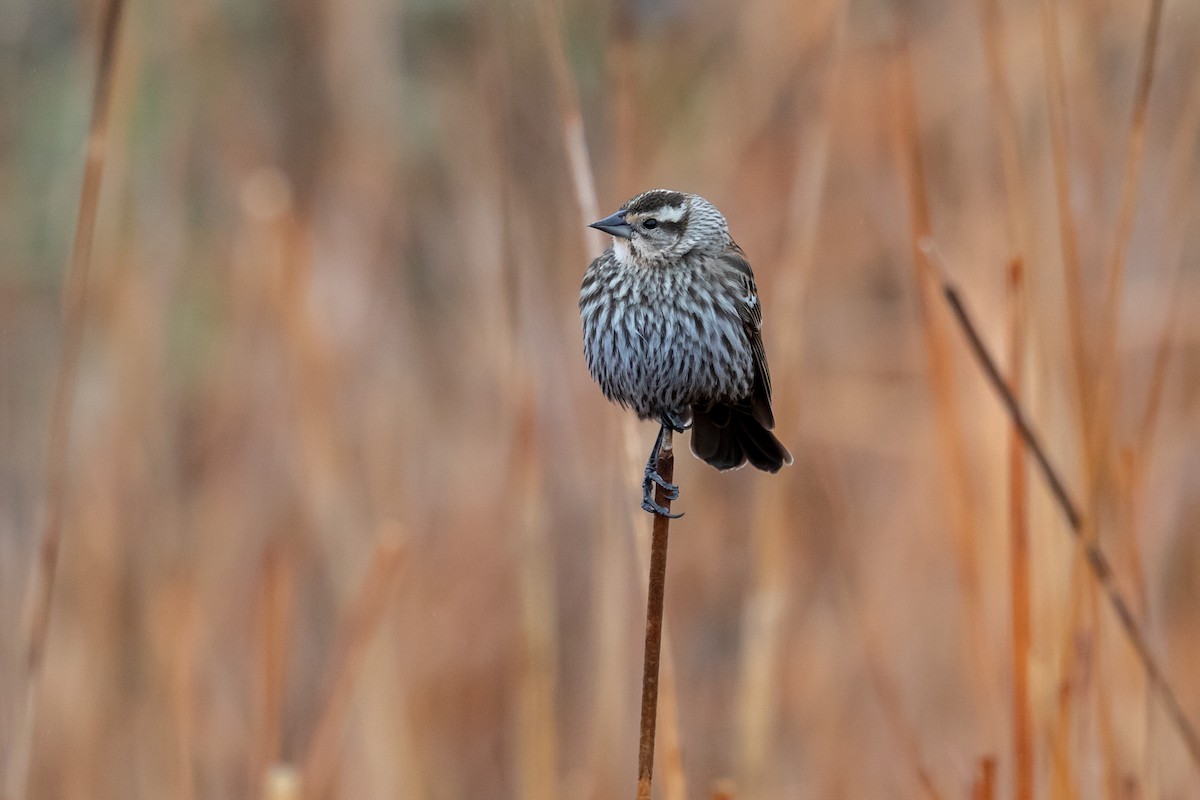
(623,250)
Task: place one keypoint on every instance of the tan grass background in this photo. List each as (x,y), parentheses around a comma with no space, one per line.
(343,516)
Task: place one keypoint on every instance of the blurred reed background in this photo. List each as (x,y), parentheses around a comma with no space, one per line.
(342,510)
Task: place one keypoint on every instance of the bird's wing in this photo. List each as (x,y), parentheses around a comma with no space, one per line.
(750,312)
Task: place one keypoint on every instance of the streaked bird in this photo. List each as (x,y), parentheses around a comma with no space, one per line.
(671,330)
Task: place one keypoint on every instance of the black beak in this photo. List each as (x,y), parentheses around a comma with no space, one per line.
(614,224)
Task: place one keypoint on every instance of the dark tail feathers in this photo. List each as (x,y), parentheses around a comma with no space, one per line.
(728,436)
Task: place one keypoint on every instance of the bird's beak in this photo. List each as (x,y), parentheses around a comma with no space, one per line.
(614,224)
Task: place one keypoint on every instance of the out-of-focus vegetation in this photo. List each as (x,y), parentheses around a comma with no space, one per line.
(341,498)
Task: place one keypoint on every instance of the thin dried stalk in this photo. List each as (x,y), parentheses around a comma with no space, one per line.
(356,632)
(1095,559)
(897,721)
(1183,157)
(942,385)
(654,623)
(1056,103)
(985,781)
(1004,120)
(1018,520)
(537,729)
(40,591)
(276,601)
(1129,182)
(575,144)
(1108,368)
(898,724)
(763,621)
(574,139)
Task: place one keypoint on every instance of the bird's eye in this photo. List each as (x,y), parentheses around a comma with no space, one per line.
(650,223)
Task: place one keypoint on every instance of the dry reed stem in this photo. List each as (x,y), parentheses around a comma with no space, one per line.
(40,590)
(1017,218)
(355,634)
(765,612)
(1004,120)
(1183,156)
(667,743)
(897,722)
(1108,368)
(667,747)
(947,412)
(1018,221)
(1137,458)
(893,708)
(575,143)
(1095,559)
(537,729)
(181,598)
(654,622)
(1018,521)
(1129,186)
(276,602)
(1056,104)
(574,140)
(984,787)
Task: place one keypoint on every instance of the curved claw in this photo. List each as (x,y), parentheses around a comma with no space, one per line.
(655,508)
(670,490)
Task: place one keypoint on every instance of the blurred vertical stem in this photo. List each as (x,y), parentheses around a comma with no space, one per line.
(940,365)
(1018,522)
(1091,554)
(654,621)
(41,585)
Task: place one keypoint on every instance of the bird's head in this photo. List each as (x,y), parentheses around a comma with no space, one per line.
(660,226)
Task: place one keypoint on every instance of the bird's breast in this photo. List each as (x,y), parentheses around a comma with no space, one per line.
(664,339)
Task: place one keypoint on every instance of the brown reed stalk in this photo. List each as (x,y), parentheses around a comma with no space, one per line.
(537,728)
(1056,105)
(899,726)
(1129,184)
(897,721)
(574,141)
(40,591)
(942,387)
(276,603)
(764,617)
(1018,522)
(984,787)
(1183,157)
(1108,366)
(1094,557)
(355,633)
(655,596)
(1004,121)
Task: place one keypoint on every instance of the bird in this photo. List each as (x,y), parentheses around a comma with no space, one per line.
(672,331)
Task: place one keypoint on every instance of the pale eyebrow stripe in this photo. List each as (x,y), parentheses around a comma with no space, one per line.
(668,213)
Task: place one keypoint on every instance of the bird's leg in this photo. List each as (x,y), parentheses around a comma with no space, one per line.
(670,490)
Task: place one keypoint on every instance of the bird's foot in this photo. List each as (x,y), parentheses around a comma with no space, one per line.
(670,491)
(655,508)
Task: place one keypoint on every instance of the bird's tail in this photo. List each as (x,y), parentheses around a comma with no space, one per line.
(727,436)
